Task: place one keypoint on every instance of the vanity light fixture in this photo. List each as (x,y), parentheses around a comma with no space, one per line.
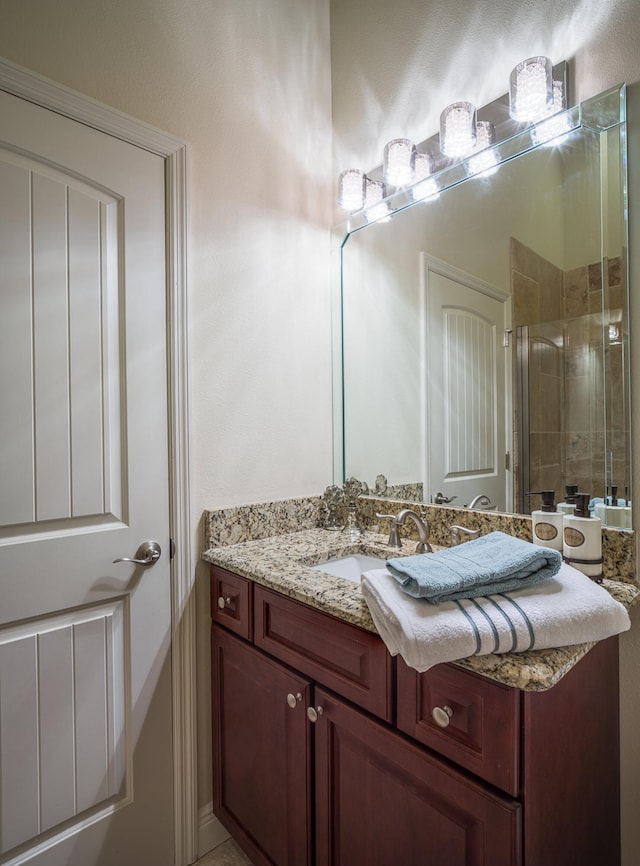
(464,143)
(424,185)
(376,209)
(399,155)
(483,160)
(351,187)
(531,89)
(458,129)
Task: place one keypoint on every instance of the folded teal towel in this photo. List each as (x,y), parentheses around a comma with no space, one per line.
(485,566)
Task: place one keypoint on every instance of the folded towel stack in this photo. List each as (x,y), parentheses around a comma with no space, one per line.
(564,610)
(487,565)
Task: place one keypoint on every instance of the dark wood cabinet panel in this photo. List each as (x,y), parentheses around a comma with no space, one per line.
(571,773)
(482,730)
(261,753)
(231,601)
(383,800)
(342,657)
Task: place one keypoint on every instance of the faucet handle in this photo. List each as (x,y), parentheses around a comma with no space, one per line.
(441,499)
(394,537)
(458,534)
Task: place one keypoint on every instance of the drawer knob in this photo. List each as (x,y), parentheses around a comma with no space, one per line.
(294,700)
(224,602)
(314,713)
(442,716)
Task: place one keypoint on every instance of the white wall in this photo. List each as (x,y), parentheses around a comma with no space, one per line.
(395,66)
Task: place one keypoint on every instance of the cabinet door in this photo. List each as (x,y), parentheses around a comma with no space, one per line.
(382,800)
(261,753)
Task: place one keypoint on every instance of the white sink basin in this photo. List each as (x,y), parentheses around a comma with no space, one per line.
(350,567)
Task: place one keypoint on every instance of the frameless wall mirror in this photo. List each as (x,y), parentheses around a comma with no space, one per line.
(482,346)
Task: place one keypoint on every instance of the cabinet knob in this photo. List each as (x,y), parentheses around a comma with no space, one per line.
(294,700)
(442,716)
(224,602)
(314,713)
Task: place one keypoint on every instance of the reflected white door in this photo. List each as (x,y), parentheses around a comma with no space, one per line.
(465,387)
(85,688)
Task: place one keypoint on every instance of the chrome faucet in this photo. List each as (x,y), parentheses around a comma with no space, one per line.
(481,501)
(399,520)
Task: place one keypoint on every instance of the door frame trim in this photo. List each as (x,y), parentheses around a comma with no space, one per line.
(35,88)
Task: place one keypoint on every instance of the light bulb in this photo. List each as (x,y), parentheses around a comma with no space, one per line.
(376,210)
(483,161)
(351,187)
(531,89)
(458,129)
(424,185)
(398,162)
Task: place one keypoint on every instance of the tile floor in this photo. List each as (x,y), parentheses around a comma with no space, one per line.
(227,854)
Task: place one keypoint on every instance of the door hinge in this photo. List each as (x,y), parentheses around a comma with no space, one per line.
(506,339)
(172,548)
(507,460)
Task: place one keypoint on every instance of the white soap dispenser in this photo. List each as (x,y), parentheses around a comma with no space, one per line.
(546,522)
(569,504)
(611,512)
(582,539)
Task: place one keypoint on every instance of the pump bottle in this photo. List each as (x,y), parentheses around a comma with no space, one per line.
(582,539)
(546,522)
(569,504)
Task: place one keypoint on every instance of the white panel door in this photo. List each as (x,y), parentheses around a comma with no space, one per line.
(465,418)
(85,688)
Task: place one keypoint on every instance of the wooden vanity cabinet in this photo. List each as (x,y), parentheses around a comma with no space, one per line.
(378,799)
(513,779)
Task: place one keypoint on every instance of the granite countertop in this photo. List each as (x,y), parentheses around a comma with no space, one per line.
(282,563)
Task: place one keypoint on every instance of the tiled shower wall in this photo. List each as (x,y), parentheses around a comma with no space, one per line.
(568,411)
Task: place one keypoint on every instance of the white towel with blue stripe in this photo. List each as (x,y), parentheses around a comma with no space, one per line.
(564,610)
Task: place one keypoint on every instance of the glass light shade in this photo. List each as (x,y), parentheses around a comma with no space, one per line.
(483,160)
(531,89)
(424,186)
(458,129)
(398,162)
(559,98)
(351,188)
(375,208)
(556,127)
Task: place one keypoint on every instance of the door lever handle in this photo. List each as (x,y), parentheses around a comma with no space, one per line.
(148,553)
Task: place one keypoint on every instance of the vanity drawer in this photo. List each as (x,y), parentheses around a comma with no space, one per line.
(350,661)
(480,720)
(231,601)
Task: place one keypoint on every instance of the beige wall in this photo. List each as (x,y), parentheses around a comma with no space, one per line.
(247,84)
(395,66)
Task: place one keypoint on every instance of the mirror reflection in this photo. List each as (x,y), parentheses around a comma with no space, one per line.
(485,336)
